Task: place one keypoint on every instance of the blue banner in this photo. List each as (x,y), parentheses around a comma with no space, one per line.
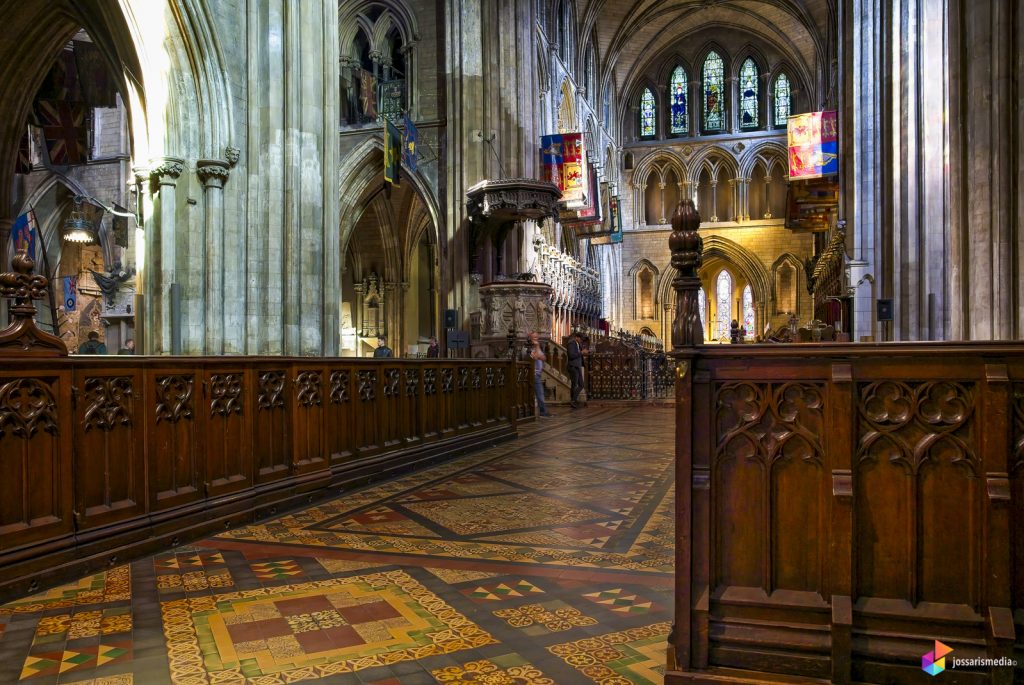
(409,142)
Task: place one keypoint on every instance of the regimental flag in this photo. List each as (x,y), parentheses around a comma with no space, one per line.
(564,161)
(368,93)
(813,145)
(94,78)
(70,286)
(24,233)
(64,129)
(409,142)
(392,152)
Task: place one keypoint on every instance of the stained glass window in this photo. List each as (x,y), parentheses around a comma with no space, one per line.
(724,304)
(782,100)
(702,305)
(647,113)
(748,94)
(677,98)
(748,310)
(714,93)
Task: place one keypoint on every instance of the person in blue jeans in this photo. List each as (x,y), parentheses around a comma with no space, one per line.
(538,357)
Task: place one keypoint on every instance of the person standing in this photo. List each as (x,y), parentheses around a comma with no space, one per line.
(382,348)
(575,350)
(433,349)
(538,357)
(92,345)
(129,347)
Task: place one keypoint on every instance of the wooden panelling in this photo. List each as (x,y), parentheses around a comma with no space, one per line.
(175,457)
(308,421)
(842,506)
(228,432)
(36,495)
(271,447)
(109,427)
(101,454)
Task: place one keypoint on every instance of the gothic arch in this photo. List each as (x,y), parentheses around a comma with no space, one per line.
(772,154)
(360,170)
(749,265)
(717,161)
(786,260)
(659,162)
(397,13)
(567,119)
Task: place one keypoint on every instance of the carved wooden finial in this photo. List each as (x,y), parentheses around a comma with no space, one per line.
(22,337)
(687,255)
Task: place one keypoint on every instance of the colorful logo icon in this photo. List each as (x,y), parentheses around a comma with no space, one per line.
(934,663)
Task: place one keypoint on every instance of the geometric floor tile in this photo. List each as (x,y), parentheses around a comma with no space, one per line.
(333,566)
(620,601)
(277,570)
(502,591)
(106,586)
(541,619)
(636,655)
(82,624)
(510,669)
(63,661)
(457,575)
(194,581)
(312,630)
(122,679)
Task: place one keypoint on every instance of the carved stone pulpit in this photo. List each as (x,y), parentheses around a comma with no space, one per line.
(511,310)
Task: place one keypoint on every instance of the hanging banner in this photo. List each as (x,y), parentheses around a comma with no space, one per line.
(24,232)
(392,152)
(615,222)
(70,285)
(813,145)
(564,160)
(410,139)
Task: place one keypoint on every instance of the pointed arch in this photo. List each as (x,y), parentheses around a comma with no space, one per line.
(567,120)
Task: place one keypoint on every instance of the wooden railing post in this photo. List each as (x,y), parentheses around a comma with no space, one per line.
(998,571)
(840,447)
(687,332)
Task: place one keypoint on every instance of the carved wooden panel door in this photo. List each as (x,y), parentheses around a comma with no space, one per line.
(308,420)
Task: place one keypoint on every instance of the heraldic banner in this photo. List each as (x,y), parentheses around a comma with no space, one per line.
(813,145)
(565,161)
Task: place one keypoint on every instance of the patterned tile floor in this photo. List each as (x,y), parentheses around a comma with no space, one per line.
(547,560)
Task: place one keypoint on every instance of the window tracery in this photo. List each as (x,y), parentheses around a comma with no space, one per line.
(648,115)
(724,297)
(783,99)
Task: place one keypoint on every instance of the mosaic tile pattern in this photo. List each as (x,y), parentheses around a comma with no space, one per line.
(496,568)
(633,656)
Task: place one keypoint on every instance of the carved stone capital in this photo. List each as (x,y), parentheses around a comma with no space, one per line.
(212,172)
(166,171)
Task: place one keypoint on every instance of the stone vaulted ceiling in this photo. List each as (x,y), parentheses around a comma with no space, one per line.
(632,33)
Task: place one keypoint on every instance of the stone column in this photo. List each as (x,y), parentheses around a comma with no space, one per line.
(767,197)
(213,173)
(162,248)
(661,187)
(714,201)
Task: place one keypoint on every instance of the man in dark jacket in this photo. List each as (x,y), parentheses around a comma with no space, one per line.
(92,345)
(575,350)
(382,347)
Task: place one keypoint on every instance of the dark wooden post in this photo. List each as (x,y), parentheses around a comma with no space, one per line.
(22,337)
(687,332)
(687,255)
